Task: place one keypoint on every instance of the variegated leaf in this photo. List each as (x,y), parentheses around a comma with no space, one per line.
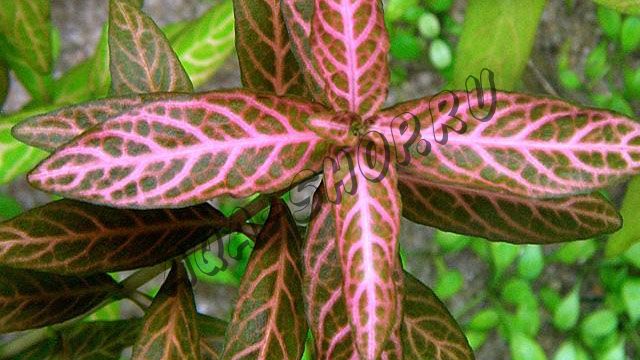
(31,299)
(204,44)
(141,59)
(268,321)
(530,146)
(297,16)
(51,130)
(99,340)
(211,332)
(506,217)
(428,330)
(264,50)
(72,237)
(187,149)
(170,330)
(350,45)
(367,229)
(25,33)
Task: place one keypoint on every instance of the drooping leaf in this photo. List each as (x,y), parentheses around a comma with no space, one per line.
(367,229)
(531,146)
(350,45)
(268,321)
(185,150)
(623,6)
(97,340)
(204,44)
(141,59)
(170,330)
(25,29)
(297,16)
(503,47)
(428,330)
(25,44)
(211,332)
(31,299)
(264,50)
(505,217)
(322,284)
(629,234)
(72,237)
(17,158)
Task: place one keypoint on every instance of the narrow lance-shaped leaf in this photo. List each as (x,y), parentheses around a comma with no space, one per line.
(505,217)
(297,16)
(31,299)
(322,284)
(350,44)
(268,321)
(72,237)
(531,146)
(141,59)
(264,50)
(170,329)
(204,44)
(367,228)
(428,330)
(185,150)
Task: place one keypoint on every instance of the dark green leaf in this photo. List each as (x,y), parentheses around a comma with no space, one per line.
(99,340)
(4,82)
(72,237)
(211,332)
(30,299)
(170,329)
(141,59)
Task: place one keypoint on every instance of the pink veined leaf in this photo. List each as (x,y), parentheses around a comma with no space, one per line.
(187,149)
(141,58)
(531,146)
(505,217)
(268,321)
(322,284)
(350,45)
(51,130)
(264,50)
(367,228)
(297,17)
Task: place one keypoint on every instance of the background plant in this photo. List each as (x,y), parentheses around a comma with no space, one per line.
(520,339)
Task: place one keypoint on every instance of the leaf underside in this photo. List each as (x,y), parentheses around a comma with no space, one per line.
(72,237)
(268,321)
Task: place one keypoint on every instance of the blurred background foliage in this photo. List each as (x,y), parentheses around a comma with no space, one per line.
(575,301)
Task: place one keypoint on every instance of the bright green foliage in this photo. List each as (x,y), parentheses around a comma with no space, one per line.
(624,6)
(630,34)
(567,312)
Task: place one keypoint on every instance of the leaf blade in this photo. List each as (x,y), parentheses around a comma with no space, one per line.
(504,217)
(72,237)
(141,59)
(270,301)
(532,146)
(169,328)
(222,136)
(31,299)
(350,47)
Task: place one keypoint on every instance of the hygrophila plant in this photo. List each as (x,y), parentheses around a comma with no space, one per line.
(505,166)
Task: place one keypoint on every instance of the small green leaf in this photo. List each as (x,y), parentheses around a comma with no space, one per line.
(569,79)
(502,256)
(632,255)
(527,318)
(517,291)
(440,6)
(525,348)
(531,262)
(598,325)
(394,9)
(440,54)
(610,21)
(429,25)
(405,46)
(9,207)
(631,298)
(569,350)
(484,320)
(596,65)
(550,298)
(632,83)
(451,242)
(623,6)
(448,284)
(614,352)
(567,312)
(629,234)
(476,338)
(575,252)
